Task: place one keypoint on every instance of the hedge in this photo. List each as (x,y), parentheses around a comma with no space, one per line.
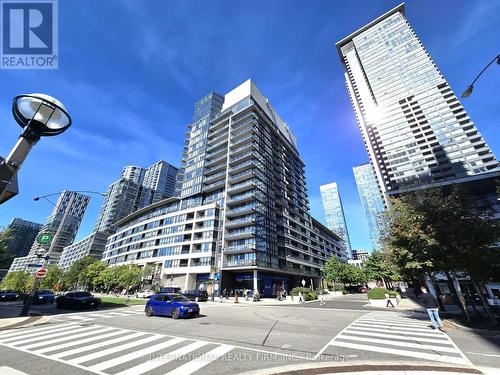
(379,293)
(308,294)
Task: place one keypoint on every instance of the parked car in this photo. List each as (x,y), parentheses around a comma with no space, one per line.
(196,295)
(8,295)
(363,289)
(171,304)
(144,293)
(44,296)
(170,289)
(78,300)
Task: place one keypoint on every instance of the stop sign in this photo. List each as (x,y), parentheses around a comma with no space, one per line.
(41,272)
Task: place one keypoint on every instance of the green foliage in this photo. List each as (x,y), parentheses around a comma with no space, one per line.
(441,230)
(52,279)
(336,272)
(378,267)
(91,276)
(308,294)
(379,293)
(72,276)
(6,255)
(123,276)
(20,281)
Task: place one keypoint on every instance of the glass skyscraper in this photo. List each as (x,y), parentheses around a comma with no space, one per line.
(371,201)
(334,213)
(22,236)
(416,131)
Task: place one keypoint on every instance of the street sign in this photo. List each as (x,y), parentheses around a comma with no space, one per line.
(41,272)
(44,238)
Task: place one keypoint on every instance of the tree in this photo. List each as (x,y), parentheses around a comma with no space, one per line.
(72,276)
(20,281)
(335,271)
(53,278)
(129,276)
(442,230)
(6,255)
(92,275)
(378,267)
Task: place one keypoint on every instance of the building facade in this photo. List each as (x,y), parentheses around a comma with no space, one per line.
(359,258)
(159,183)
(371,201)
(23,234)
(92,245)
(240,160)
(77,205)
(334,213)
(415,129)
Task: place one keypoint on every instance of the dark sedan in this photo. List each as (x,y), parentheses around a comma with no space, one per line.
(44,296)
(78,300)
(196,295)
(8,295)
(171,304)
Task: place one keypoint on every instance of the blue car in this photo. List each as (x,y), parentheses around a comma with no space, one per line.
(171,304)
(8,295)
(44,296)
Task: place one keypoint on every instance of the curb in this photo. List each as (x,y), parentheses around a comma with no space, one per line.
(375,367)
(465,328)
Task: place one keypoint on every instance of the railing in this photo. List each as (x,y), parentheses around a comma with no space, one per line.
(240,263)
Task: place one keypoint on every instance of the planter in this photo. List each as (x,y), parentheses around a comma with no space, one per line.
(336,294)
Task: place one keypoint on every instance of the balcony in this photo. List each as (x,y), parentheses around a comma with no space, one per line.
(241,187)
(241,222)
(216,160)
(215,186)
(239,263)
(240,211)
(241,198)
(215,169)
(243,166)
(302,271)
(240,249)
(239,142)
(301,261)
(215,146)
(215,177)
(240,234)
(242,176)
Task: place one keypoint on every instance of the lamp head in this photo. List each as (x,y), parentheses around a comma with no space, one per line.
(498,59)
(467,91)
(36,198)
(45,115)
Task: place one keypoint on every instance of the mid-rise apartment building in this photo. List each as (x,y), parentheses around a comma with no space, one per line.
(241,161)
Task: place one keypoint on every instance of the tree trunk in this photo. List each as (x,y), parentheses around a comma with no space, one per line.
(458,291)
(486,306)
(383,283)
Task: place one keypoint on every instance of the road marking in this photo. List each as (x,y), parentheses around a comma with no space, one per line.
(201,361)
(102,353)
(406,353)
(44,337)
(398,343)
(66,338)
(395,322)
(384,330)
(484,354)
(129,357)
(79,342)
(388,327)
(97,346)
(4,370)
(21,334)
(162,360)
(413,338)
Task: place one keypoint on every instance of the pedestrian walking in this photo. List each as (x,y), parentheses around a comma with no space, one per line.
(389,302)
(301,297)
(431,306)
(322,301)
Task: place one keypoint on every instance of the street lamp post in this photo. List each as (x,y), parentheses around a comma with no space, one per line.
(39,115)
(468,90)
(46,256)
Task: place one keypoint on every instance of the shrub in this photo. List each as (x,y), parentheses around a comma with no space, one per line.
(306,292)
(379,293)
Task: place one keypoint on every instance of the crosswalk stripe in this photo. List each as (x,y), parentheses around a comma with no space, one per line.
(79,317)
(117,314)
(78,342)
(406,353)
(23,333)
(438,333)
(201,361)
(103,353)
(384,330)
(399,343)
(162,360)
(395,322)
(66,338)
(129,357)
(407,338)
(17,342)
(98,345)
(97,315)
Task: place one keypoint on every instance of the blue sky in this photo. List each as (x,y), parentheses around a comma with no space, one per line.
(130,72)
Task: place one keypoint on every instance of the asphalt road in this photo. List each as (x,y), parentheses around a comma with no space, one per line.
(231,338)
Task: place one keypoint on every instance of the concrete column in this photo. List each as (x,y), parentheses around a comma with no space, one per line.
(186,282)
(255,284)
